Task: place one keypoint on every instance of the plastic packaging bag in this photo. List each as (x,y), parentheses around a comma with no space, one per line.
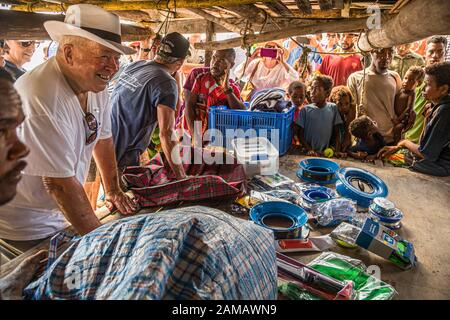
(342,268)
(312,195)
(334,211)
(287,195)
(268,183)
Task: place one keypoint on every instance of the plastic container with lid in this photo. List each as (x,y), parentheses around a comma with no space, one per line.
(257,155)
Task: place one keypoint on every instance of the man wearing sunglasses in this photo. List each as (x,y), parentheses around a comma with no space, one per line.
(17,54)
(67,121)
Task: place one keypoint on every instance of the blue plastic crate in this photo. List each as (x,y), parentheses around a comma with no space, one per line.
(238,124)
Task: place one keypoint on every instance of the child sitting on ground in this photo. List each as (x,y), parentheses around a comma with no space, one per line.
(318,122)
(296,93)
(432,154)
(404,101)
(342,97)
(369,139)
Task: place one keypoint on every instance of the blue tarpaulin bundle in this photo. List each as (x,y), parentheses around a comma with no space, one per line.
(186,253)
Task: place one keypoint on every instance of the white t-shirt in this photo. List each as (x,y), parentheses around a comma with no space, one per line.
(55,132)
(264,78)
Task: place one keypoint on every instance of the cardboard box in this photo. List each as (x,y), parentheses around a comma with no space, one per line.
(387,244)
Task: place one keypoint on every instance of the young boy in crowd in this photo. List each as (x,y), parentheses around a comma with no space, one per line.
(432,154)
(297,94)
(404,101)
(319,122)
(342,97)
(369,139)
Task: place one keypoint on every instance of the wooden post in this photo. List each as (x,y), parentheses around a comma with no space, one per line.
(210,36)
(279,8)
(338,4)
(219,21)
(345,11)
(325,4)
(345,25)
(409,26)
(304,6)
(249,12)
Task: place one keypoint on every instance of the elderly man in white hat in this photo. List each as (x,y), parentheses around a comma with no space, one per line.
(67,120)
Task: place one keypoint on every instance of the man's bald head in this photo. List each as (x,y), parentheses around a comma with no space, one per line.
(221,61)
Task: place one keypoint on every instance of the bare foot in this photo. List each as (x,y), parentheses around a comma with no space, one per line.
(12,285)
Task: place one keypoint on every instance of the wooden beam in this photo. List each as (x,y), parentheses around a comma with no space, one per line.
(345,12)
(338,4)
(192,26)
(279,8)
(346,25)
(136,15)
(249,12)
(199,25)
(409,26)
(210,36)
(325,4)
(304,6)
(330,14)
(138,5)
(222,22)
(16,25)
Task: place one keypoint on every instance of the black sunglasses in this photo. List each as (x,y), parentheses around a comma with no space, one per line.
(93,126)
(26,44)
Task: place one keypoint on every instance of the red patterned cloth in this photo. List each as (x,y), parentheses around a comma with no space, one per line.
(156,185)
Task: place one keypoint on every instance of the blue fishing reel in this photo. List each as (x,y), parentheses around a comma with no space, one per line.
(360,185)
(320,171)
(385,212)
(296,216)
(315,194)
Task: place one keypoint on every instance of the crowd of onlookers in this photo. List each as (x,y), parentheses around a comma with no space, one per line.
(354,102)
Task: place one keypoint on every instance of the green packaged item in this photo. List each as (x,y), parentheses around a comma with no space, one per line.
(294,292)
(340,267)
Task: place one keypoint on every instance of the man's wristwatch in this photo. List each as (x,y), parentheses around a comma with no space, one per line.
(228,91)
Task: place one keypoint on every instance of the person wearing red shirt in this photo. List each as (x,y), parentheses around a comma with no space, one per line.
(213,88)
(341,66)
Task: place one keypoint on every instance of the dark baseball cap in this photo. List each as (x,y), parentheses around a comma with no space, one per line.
(174,45)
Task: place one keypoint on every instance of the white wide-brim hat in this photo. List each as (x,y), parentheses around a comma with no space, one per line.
(90,22)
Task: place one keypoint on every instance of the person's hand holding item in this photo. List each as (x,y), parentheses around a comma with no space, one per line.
(226,80)
(118,199)
(387,151)
(280,55)
(256,54)
(427,109)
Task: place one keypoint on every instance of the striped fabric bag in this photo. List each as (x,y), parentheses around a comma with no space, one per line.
(187,253)
(155,184)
